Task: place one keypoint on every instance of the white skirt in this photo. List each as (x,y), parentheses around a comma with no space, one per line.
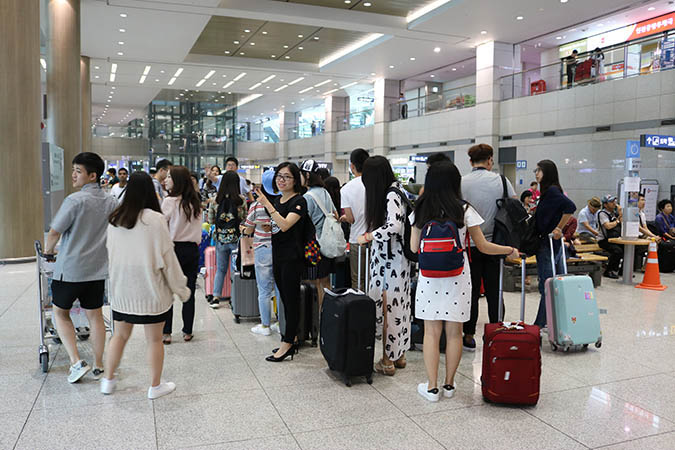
(446,299)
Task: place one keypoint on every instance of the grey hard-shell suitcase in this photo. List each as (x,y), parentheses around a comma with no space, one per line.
(244,297)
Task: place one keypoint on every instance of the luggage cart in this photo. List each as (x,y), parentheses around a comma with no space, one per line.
(47,327)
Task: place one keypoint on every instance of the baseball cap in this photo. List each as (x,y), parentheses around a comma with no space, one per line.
(608,198)
(309,166)
(268,182)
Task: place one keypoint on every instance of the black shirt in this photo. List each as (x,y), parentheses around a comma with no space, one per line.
(289,245)
(550,209)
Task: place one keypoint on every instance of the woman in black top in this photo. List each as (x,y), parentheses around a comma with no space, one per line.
(553,211)
(289,213)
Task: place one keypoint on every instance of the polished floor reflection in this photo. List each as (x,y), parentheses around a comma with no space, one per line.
(621,396)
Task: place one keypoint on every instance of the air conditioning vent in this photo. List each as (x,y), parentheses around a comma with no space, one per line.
(507,138)
(601,129)
(549,133)
(415,146)
(473,141)
(442,144)
(392,148)
(667,122)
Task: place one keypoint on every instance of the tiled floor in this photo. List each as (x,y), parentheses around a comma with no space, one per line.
(621,396)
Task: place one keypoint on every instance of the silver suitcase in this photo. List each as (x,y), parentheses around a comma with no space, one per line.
(244,297)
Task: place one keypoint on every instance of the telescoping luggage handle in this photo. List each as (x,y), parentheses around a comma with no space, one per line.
(522,288)
(354,290)
(564,258)
(358,269)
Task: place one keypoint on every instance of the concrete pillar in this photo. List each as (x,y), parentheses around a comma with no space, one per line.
(337,119)
(288,126)
(85,88)
(64,107)
(493,60)
(386,94)
(21,219)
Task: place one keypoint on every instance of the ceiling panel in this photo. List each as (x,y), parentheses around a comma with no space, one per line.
(388,7)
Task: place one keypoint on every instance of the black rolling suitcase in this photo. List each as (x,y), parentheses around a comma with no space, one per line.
(348,333)
(308,323)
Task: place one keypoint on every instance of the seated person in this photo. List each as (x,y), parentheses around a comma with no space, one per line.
(645,232)
(527,199)
(589,231)
(665,221)
(568,231)
(609,218)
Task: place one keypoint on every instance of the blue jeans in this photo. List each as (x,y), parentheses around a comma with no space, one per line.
(264,277)
(544,272)
(223,260)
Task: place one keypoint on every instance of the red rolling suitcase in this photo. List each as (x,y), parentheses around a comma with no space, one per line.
(511,356)
(210,277)
(583,71)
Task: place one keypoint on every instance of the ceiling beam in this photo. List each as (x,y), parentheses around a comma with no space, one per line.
(296,13)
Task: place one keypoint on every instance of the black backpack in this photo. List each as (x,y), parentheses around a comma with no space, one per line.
(224,207)
(409,254)
(514,227)
(608,234)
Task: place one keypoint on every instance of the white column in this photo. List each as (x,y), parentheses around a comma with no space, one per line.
(288,122)
(493,60)
(337,115)
(386,94)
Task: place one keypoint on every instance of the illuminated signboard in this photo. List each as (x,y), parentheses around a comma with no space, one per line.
(658,141)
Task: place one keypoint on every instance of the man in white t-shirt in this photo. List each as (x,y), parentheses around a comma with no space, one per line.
(353,197)
(120,188)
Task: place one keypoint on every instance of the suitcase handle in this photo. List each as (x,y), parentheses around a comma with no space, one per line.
(358,269)
(564,257)
(522,288)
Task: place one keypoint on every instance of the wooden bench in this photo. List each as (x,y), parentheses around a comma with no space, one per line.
(584,263)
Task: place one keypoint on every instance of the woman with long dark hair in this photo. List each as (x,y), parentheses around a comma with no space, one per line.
(389,268)
(289,215)
(332,185)
(182,209)
(144,276)
(445,303)
(226,213)
(553,211)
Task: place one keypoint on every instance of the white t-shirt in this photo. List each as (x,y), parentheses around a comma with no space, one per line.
(118,192)
(353,196)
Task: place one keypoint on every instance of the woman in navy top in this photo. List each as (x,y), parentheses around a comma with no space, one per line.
(553,211)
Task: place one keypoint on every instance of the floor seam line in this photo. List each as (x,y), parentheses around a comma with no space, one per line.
(154,419)
(551,426)
(16,300)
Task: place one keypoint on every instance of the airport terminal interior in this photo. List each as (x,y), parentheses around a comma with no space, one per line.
(146,84)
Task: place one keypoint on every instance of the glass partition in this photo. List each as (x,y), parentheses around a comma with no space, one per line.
(455,98)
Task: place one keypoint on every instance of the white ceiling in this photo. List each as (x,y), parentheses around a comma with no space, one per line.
(163,39)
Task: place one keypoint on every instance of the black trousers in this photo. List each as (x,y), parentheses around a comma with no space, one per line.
(288,276)
(484,268)
(188,257)
(615,254)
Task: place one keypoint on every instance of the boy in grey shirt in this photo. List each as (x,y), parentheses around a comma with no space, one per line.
(82,264)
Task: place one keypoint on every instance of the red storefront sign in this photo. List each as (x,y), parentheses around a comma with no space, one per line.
(653,26)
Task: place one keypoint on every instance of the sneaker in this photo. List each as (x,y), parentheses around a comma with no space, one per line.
(469,344)
(108,386)
(77,371)
(433,395)
(215,303)
(275,327)
(97,373)
(161,390)
(543,331)
(448,391)
(260,329)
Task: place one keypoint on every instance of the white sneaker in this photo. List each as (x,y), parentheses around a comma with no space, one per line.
(77,371)
(448,391)
(108,386)
(423,389)
(161,390)
(260,329)
(275,327)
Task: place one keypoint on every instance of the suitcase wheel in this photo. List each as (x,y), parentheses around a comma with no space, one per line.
(598,344)
(85,333)
(347,380)
(314,344)
(44,361)
(369,379)
(585,347)
(237,319)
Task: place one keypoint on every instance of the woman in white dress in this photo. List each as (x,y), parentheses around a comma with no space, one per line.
(446,302)
(389,269)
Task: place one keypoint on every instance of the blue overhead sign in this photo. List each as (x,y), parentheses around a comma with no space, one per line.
(658,141)
(521,164)
(632,149)
(418,158)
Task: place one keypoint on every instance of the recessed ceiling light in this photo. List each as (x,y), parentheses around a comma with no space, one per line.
(316,38)
(273,56)
(96,67)
(432,75)
(367,4)
(558,37)
(391,67)
(236,42)
(651,8)
(251,43)
(483,32)
(348,1)
(120,54)
(120,42)
(601,24)
(437,49)
(264,32)
(301,48)
(242,53)
(285,46)
(563,1)
(156,80)
(113,88)
(213,84)
(301,36)
(519,18)
(123,15)
(122,30)
(287,57)
(227,52)
(229,93)
(247,31)
(412,58)
(454,69)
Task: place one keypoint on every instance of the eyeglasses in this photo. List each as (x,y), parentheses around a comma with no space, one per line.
(284,177)
(538,169)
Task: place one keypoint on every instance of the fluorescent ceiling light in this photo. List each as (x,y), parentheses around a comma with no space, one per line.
(248,99)
(281,88)
(254,86)
(43,63)
(330,92)
(142,80)
(202,81)
(178,72)
(112,77)
(228,84)
(240,76)
(172,81)
(349,49)
(426,10)
(210,74)
(322,83)
(147,70)
(305,90)
(437,49)
(113,68)
(348,85)
(269,78)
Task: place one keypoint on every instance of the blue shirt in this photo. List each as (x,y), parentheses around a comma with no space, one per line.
(664,223)
(585,215)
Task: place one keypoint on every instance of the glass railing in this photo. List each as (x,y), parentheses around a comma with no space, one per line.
(619,61)
(455,98)
(119,132)
(305,131)
(356,119)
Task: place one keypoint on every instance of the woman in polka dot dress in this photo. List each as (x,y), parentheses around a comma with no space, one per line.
(446,302)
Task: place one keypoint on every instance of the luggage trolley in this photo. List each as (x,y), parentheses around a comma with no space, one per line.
(47,328)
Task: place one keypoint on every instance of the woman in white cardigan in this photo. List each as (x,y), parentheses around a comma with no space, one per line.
(144,277)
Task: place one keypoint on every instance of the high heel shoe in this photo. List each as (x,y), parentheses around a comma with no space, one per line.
(290,352)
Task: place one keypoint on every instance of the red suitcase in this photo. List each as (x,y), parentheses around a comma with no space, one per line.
(210,277)
(583,71)
(511,356)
